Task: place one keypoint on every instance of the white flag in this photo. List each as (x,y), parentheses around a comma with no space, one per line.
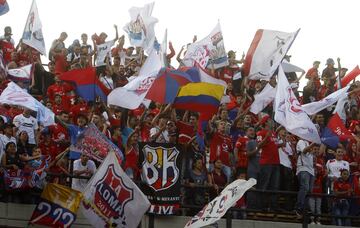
(288,67)
(140,29)
(132,94)
(289,114)
(14,95)
(33,35)
(217,208)
(102,51)
(340,106)
(210,50)
(21,74)
(111,199)
(263,99)
(266,52)
(316,106)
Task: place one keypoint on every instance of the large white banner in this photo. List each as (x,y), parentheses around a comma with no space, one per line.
(289,113)
(21,74)
(14,95)
(266,52)
(316,106)
(32,34)
(263,99)
(140,29)
(111,199)
(217,208)
(208,52)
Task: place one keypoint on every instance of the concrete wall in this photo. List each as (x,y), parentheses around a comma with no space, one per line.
(17,215)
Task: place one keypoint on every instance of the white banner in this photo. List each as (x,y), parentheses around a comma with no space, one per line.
(316,106)
(111,199)
(266,52)
(340,106)
(140,29)
(208,52)
(21,74)
(102,51)
(289,113)
(132,94)
(32,34)
(14,95)
(263,99)
(217,208)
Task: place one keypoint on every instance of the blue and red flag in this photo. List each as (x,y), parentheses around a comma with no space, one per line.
(88,86)
(4,7)
(166,86)
(335,132)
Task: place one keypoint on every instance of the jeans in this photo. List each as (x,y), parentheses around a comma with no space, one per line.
(341,208)
(287,184)
(306,182)
(269,179)
(315,205)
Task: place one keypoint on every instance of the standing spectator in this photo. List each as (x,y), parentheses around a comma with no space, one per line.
(57,46)
(25,122)
(343,189)
(334,166)
(269,176)
(305,173)
(132,156)
(313,75)
(217,179)
(159,133)
(7,44)
(82,167)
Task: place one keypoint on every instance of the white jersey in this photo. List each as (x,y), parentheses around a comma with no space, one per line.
(80,184)
(284,153)
(334,167)
(26,124)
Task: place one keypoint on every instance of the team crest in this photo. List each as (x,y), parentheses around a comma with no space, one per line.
(159,167)
(111,197)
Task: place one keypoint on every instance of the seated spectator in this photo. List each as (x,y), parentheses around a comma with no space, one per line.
(6,137)
(343,189)
(23,145)
(82,167)
(10,159)
(334,166)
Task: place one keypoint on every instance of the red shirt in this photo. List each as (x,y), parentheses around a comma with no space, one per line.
(341,186)
(77,109)
(242,157)
(145,133)
(58,132)
(49,149)
(131,160)
(320,174)
(56,89)
(61,64)
(220,147)
(269,154)
(7,48)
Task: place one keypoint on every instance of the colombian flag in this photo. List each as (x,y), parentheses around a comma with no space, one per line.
(88,86)
(200,97)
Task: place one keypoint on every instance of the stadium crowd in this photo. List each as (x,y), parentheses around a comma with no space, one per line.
(238,144)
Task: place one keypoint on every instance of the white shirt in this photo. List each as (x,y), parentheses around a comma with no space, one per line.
(3,141)
(108,82)
(284,153)
(334,167)
(305,161)
(162,138)
(26,124)
(80,184)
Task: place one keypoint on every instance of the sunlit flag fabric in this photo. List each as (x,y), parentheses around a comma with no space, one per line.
(217,208)
(14,95)
(133,94)
(335,132)
(263,99)
(266,52)
(88,86)
(21,74)
(103,51)
(167,84)
(33,35)
(288,67)
(200,97)
(316,106)
(140,29)
(4,7)
(58,206)
(208,52)
(289,114)
(343,101)
(111,199)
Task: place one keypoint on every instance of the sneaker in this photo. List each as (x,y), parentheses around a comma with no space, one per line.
(298,213)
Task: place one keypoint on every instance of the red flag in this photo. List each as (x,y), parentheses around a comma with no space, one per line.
(337,127)
(350,76)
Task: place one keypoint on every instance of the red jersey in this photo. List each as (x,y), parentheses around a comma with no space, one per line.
(145,133)
(49,149)
(61,64)
(220,147)
(75,110)
(269,154)
(7,48)
(58,132)
(320,174)
(240,144)
(131,160)
(56,89)
(341,186)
